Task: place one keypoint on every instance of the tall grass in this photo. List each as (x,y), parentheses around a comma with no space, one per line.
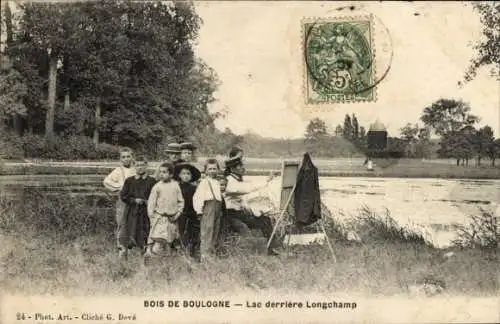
(61,215)
(373,227)
(64,244)
(480,232)
(69,216)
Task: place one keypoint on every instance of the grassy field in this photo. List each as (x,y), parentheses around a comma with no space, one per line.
(89,265)
(403,168)
(48,248)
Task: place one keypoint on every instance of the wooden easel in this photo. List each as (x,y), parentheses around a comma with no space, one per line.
(289,173)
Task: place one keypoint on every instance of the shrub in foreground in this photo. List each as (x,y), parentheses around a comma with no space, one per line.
(375,228)
(67,148)
(11,146)
(481,232)
(64,215)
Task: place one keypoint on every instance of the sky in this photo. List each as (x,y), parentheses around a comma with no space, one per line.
(255,47)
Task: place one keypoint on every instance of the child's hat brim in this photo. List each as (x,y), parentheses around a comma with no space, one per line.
(173,148)
(232,162)
(187,146)
(195,173)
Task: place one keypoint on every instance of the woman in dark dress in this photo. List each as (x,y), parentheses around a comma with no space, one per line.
(189,224)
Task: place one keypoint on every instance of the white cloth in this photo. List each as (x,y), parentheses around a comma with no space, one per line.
(203,193)
(235,189)
(115,180)
(265,200)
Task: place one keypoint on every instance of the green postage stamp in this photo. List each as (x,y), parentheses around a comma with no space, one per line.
(338,58)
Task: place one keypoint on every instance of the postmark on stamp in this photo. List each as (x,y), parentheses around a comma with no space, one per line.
(338,59)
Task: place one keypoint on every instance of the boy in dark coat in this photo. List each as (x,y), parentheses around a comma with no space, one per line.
(189,225)
(135,194)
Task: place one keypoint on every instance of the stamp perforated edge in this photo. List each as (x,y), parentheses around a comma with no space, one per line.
(305,90)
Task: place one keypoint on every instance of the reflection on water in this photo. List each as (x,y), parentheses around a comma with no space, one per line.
(437,206)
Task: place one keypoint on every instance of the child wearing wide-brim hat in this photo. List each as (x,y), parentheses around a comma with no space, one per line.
(189,224)
(195,173)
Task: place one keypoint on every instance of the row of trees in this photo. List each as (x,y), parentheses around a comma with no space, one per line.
(453,122)
(349,139)
(120,72)
(345,141)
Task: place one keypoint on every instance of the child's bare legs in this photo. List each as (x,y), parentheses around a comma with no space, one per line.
(157,248)
(161,248)
(121,229)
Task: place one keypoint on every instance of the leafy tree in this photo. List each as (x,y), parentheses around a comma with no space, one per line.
(51,29)
(355,128)
(338,131)
(456,145)
(448,115)
(102,67)
(316,137)
(487,51)
(347,129)
(493,151)
(409,136)
(128,67)
(12,91)
(482,141)
(316,130)
(409,133)
(423,146)
(362,138)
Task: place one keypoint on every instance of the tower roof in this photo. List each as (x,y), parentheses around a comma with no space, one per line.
(377,126)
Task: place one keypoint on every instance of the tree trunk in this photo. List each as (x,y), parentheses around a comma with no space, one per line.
(458,162)
(66,82)
(51,98)
(8,24)
(493,162)
(97,121)
(17,124)
(66,101)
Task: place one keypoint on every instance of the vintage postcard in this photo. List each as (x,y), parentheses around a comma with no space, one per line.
(249,162)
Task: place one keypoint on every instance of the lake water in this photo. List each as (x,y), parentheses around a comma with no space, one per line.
(434,206)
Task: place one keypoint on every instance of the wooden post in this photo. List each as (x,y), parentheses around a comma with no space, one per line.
(281,217)
(322,226)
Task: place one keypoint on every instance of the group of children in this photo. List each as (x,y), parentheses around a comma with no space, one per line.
(177,207)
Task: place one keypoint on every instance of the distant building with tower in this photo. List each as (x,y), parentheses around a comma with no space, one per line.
(379,145)
(377,137)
